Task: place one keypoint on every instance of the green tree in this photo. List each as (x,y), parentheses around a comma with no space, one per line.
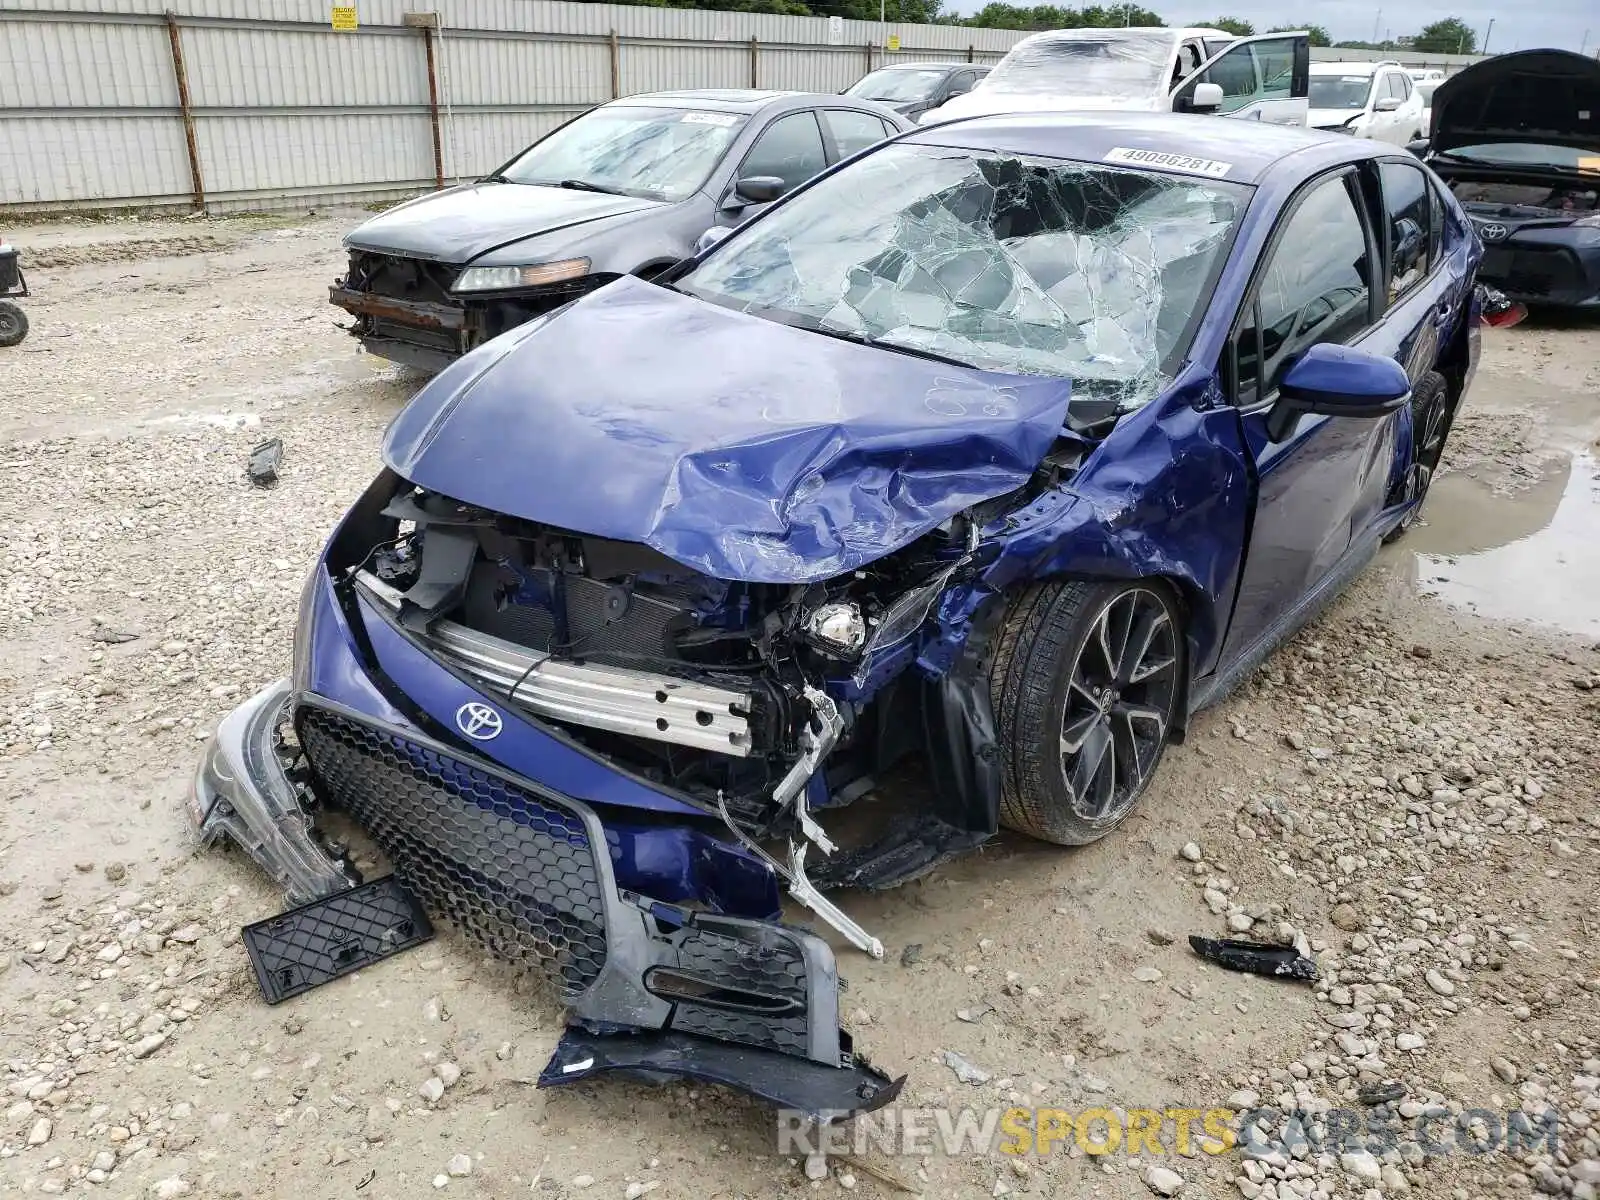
(998,15)
(1319,35)
(1449,36)
(1233,25)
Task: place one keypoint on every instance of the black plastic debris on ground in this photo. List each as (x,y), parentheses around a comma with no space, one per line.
(318,942)
(1284,962)
(264,462)
(1374,1094)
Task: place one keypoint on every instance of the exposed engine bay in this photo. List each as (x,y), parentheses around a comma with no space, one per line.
(1516,199)
(757,702)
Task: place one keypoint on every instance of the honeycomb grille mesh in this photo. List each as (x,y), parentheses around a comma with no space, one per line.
(777,971)
(511,869)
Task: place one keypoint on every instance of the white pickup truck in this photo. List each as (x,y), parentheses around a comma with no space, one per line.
(1260,78)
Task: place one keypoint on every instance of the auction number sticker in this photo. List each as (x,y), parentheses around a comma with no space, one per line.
(722,120)
(1187,163)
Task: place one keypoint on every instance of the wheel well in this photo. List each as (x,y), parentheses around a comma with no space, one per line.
(1454,359)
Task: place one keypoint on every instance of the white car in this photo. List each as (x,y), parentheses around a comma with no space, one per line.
(1425,90)
(1260,78)
(1370,100)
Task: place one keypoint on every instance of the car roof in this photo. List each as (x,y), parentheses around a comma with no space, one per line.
(1250,148)
(1352,68)
(743,100)
(929,66)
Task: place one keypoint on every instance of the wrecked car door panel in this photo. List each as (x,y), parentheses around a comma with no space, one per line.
(1315,286)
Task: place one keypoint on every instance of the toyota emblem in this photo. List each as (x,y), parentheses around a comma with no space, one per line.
(478,721)
(1493,232)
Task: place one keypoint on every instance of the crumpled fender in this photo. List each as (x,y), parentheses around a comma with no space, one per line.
(1166,495)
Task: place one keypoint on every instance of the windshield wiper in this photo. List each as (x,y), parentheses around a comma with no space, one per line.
(862,339)
(583,185)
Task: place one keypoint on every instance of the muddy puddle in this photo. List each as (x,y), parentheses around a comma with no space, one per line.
(1533,557)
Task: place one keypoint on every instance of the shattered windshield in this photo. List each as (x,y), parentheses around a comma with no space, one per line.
(1114,63)
(898,85)
(1009,263)
(656,153)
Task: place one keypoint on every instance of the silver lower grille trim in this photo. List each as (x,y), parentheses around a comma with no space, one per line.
(638,703)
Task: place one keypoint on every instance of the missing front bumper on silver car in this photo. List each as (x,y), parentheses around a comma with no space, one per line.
(241,792)
(641,704)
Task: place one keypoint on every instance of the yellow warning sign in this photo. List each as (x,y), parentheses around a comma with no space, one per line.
(894,41)
(344,18)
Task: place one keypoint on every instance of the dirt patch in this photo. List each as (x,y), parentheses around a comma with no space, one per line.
(120,250)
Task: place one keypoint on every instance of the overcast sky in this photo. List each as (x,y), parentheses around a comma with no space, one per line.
(1522,26)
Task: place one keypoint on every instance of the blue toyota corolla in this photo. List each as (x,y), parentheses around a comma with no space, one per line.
(994,453)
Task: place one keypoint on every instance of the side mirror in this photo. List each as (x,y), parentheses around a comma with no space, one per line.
(1206,98)
(1337,381)
(710,238)
(760,189)
(1386,104)
(1419,147)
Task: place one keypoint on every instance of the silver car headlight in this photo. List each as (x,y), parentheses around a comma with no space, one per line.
(501,279)
(837,628)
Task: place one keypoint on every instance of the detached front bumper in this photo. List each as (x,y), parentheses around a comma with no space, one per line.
(654,991)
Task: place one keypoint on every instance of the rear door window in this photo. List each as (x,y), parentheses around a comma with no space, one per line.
(852,131)
(1408,212)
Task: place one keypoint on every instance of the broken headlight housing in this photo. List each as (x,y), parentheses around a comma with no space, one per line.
(837,628)
(501,279)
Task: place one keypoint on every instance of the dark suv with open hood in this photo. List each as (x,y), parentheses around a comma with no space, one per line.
(1517,138)
(624,189)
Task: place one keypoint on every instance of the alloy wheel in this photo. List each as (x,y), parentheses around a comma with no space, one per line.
(1120,701)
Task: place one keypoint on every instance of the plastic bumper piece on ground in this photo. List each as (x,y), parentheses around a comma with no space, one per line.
(242,792)
(822,1093)
(750,1004)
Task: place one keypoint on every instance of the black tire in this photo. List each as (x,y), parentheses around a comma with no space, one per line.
(1046,683)
(1431,418)
(13,323)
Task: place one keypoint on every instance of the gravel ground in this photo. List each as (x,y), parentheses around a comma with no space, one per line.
(1408,788)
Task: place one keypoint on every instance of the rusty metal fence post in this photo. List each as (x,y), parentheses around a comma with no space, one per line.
(196,179)
(433,102)
(616,65)
(755,56)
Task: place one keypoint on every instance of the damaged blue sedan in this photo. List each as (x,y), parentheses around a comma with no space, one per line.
(950,487)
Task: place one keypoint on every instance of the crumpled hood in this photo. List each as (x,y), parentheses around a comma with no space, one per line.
(460,223)
(1544,96)
(739,447)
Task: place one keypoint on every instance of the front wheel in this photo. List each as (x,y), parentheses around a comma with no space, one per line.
(1086,683)
(13,323)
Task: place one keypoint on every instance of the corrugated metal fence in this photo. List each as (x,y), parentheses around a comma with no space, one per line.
(178,103)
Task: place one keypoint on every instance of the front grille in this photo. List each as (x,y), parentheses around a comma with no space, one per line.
(514,870)
(604,623)
(1531,272)
(403,278)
